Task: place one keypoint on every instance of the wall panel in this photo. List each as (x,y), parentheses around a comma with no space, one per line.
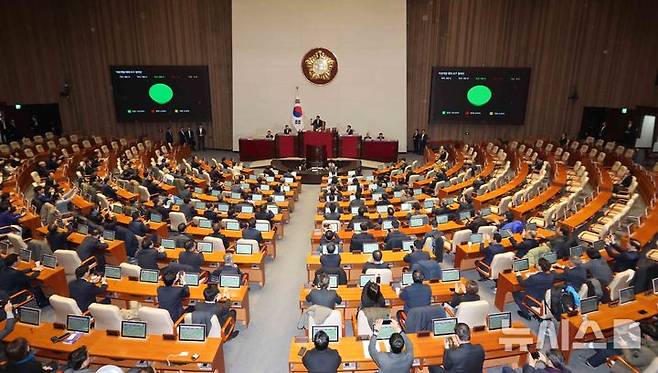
(49,42)
(606,50)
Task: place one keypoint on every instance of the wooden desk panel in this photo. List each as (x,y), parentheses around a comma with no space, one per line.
(466,254)
(430,350)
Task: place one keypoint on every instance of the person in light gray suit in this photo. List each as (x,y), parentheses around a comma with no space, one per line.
(398,360)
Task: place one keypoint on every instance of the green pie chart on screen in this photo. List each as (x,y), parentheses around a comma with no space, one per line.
(161,93)
(478,95)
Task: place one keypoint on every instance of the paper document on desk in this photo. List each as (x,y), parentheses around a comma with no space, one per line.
(381,345)
(71,339)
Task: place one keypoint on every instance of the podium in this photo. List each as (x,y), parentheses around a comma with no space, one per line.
(286,145)
(256,149)
(349,146)
(380,150)
(323,139)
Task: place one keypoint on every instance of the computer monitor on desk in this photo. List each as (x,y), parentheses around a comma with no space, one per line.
(450,275)
(229,281)
(444,326)
(192,332)
(331,330)
(243,249)
(113,272)
(133,329)
(49,261)
(79,324)
(149,275)
(29,315)
(590,304)
(626,295)
(370,247)
(500,320)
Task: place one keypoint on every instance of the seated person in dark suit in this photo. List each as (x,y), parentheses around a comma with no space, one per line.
(625,257)
(137,226)
(598,267)
(332,214)
(322,358)
(430,269)
(228,269)
(84,292)
(8,315)
(464,293)
(416,294)
(330,236)
(394,238)
(417,254)
(358,239)
(562,242)
(171,297)
(149,256)
(575,274)
(188,209)
(211,213)
(92,246)
(384,202)
(332,258)
(340,274)
(213,305)
(494,248)
(477,222)
(217,233)
(21,359)
(124,234)
(251,232)
(191,256)
(375,262)
(56,239)
(529,242)
(463,358)
(180,237)
(535,285)
(13,280)
(371,296)
(264,214)
(322,295)
(399,359)
(359,218)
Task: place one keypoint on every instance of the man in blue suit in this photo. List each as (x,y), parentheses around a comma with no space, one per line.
(417,254)
(84,292)
(137,226)
(171,297)
(251,232)
(535,285)
(416,294)
(394,238)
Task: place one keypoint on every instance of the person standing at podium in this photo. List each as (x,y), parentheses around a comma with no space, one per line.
(349,131)
(287,130)
(317,123)
(367,136)
(380,136)
(269,135)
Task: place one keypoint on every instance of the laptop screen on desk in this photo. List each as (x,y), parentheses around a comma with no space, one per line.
(49,261)
(655,285)
(405,206)
(232,226)
(222,207)
(133,329)
(588,305)
(363,279)
(243,249)
(551,257)
(83,229)
(450,275)
(408,245)
(191,279)
(443,327)
(415,222)
(475,238)
(576,251)
(168,243)
(387,224)
(485,211)
(192,332)
(521,265)
(156,218)
(262,227)
(499,320)
(385,331)
(331,330)
(117,209)
(442,219)
(113,272)
(626,295)
(464,215)
(29,315)
(149,275)
(247,209)
(229,281)
(25,255)
(333,281)
(205,223)
(598,245)
(369,247)
(407,279)
(109,235)
(78,323)
(382,209)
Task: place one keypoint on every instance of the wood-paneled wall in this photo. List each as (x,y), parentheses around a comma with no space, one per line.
(45,43)
(606,50)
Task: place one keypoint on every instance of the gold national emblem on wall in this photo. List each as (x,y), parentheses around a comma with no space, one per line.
(320,66)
